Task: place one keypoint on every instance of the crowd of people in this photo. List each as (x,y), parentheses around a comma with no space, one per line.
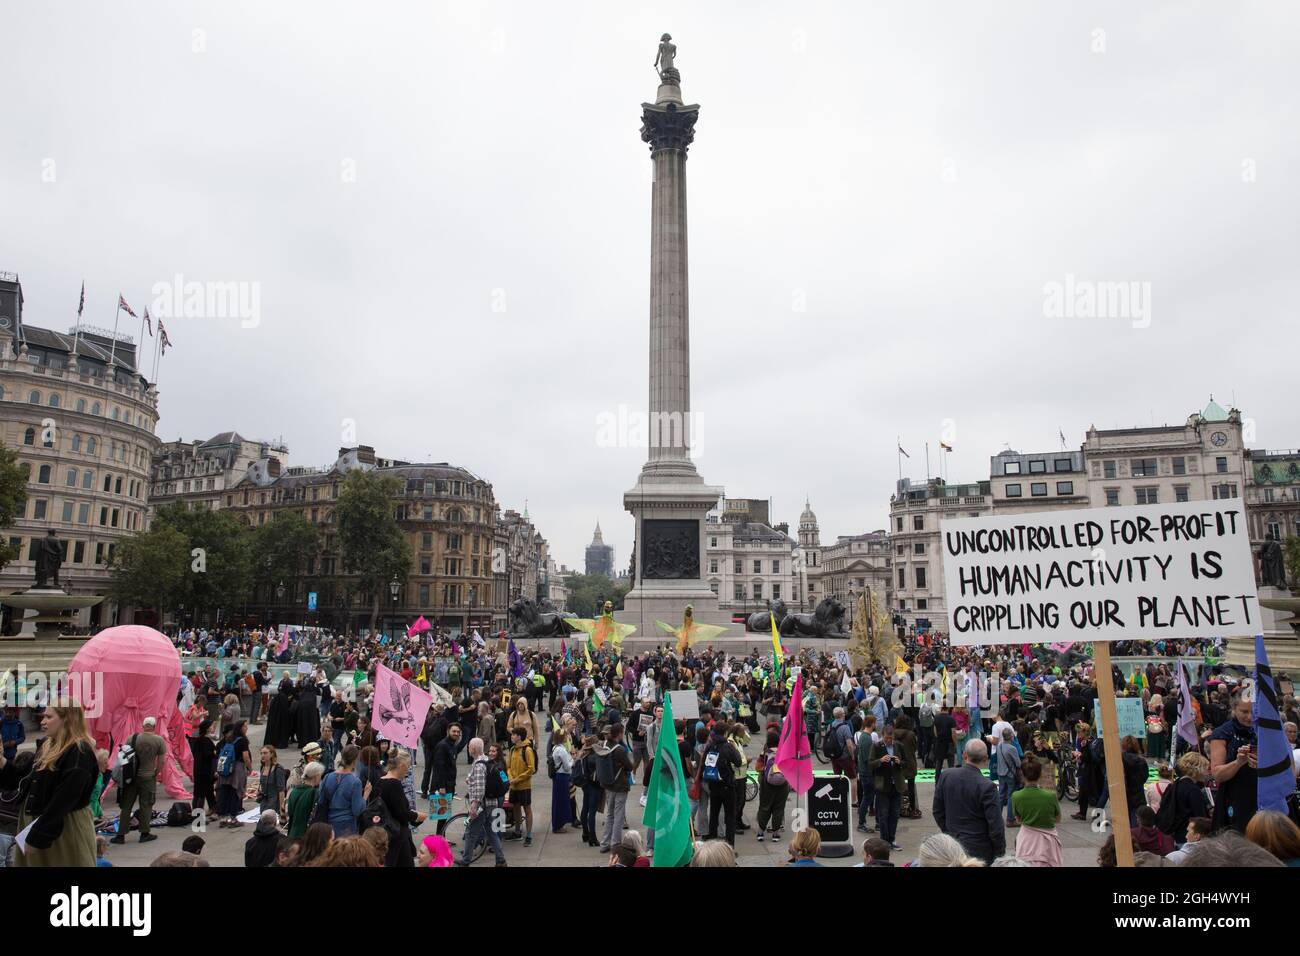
(1008,731)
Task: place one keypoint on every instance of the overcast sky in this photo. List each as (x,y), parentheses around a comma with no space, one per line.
(445,210)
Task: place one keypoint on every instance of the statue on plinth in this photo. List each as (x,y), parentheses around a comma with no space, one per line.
(49,558)
(1272,568)
(664,61)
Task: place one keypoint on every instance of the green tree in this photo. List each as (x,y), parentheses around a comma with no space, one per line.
(1291,558)
(221,558)
(13,497)
(283,547)
(152,569)
(371,543)
(589,592)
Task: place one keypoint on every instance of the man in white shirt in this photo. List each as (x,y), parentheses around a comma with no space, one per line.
(1198,828)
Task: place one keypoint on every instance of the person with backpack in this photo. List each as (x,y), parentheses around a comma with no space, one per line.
(486,786)
(137,775)
(614,774)
(718,773)
(866,739)
(584,779)
(389,808)
(521,764)
(233,764)
(773,789)
(342,796)
(838,746)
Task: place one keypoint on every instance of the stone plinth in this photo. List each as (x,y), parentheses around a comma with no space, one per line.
(1279,610)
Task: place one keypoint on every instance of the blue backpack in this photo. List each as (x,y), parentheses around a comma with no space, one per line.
(226,759)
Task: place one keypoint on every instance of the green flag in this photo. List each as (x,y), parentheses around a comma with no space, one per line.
(358,677)
(667,808)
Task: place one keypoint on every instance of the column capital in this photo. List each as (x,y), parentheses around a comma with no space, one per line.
(668,126)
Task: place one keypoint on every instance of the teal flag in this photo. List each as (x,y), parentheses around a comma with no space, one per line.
(667,807)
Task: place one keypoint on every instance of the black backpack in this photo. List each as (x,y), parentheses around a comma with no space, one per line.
(375,814)
(494,781)
(606,772)
(179,815)
(832,746)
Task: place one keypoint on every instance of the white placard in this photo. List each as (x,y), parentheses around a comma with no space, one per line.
(304,667)
(686,704)
(1140,572)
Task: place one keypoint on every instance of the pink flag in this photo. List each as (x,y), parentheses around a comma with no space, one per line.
(284,641)
(1062,647)
(793,755)
(399,707)
(419,627)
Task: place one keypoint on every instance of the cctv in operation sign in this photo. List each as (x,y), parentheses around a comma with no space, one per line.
(1145,572)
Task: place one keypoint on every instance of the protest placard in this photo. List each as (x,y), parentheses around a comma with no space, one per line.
(1175,570)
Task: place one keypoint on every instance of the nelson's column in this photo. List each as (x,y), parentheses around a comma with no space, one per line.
(670,501)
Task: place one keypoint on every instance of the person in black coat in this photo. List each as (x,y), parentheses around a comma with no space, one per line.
(306,718)
(432,734)
(401,847)
(966,806)
(260,849)
(1185,798)
(444,770)
(279,717)
(204,749)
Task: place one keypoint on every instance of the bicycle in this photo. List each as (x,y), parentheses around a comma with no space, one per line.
(1067,771)
(456,832)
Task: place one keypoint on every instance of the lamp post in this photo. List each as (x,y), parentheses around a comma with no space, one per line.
(393,587)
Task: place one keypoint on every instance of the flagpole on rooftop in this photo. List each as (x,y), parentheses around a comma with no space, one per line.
(112,351)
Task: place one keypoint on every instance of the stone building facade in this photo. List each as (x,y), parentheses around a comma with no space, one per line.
(82,418)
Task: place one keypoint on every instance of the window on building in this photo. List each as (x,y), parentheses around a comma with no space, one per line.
(1065,487)
(1143,467)
(758,567)
(1012,468)
(902,577)
(1108,469)
(426,540)
(740,592)
(918,522)
(117,485)
(34,398)
(902,549)
(1225,491)
(67,512)
(713,566)
(1037,467)
(29,436)
(1062,464)
(1038,489)
(738,569)
(38,509)
(99,553)
(1112,496)
(426,565)
(95,408)
(43,475)
(917,548)
(776,592)
(1221,465)
(1180,492)
(1013,490)
(920,576)
(776,567)
(83,513)
(1148,496)
(90,445)
(453,542)
(922,604)
(1180,465)
(758,590)
(900,523)
(713,542)
(1275,530)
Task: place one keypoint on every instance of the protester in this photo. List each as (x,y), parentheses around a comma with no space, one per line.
(966,806)
(343,795)
(1039,812)
(233,764)
(303,796)
(260,850)
(804,848)
(58,793)
(773,790)
(875,852)
(614,774)
(561,802)
(1276,833)
(521,766)
(886,778)
(272,783)
(149,750)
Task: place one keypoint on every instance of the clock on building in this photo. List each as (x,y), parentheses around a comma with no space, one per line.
(1218,439)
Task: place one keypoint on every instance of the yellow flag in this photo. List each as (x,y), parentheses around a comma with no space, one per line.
(618,671)
(900,665)
(555,724)
(776,643)
(586,652)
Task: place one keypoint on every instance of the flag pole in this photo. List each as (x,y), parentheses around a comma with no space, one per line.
(898,453)
(112,351)
(927,463)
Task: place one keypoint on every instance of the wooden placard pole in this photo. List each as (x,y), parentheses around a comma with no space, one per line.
(1114,759)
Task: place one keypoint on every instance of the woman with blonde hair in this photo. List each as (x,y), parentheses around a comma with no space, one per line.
(1188,793)
(941,850)
(58,792)
(349,851)
(804,848)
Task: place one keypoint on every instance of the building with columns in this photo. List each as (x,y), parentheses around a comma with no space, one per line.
(82,417)
(1272,495)
(749,562)
(859,563)
(916,511)
(1202,459)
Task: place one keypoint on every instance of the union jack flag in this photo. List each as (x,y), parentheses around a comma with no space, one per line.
(163,340)
(147,324)
(82,305)
(121,304)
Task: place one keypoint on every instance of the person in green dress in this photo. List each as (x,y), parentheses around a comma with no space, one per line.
(302,799)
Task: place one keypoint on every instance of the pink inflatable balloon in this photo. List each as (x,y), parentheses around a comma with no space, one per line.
(128,673)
